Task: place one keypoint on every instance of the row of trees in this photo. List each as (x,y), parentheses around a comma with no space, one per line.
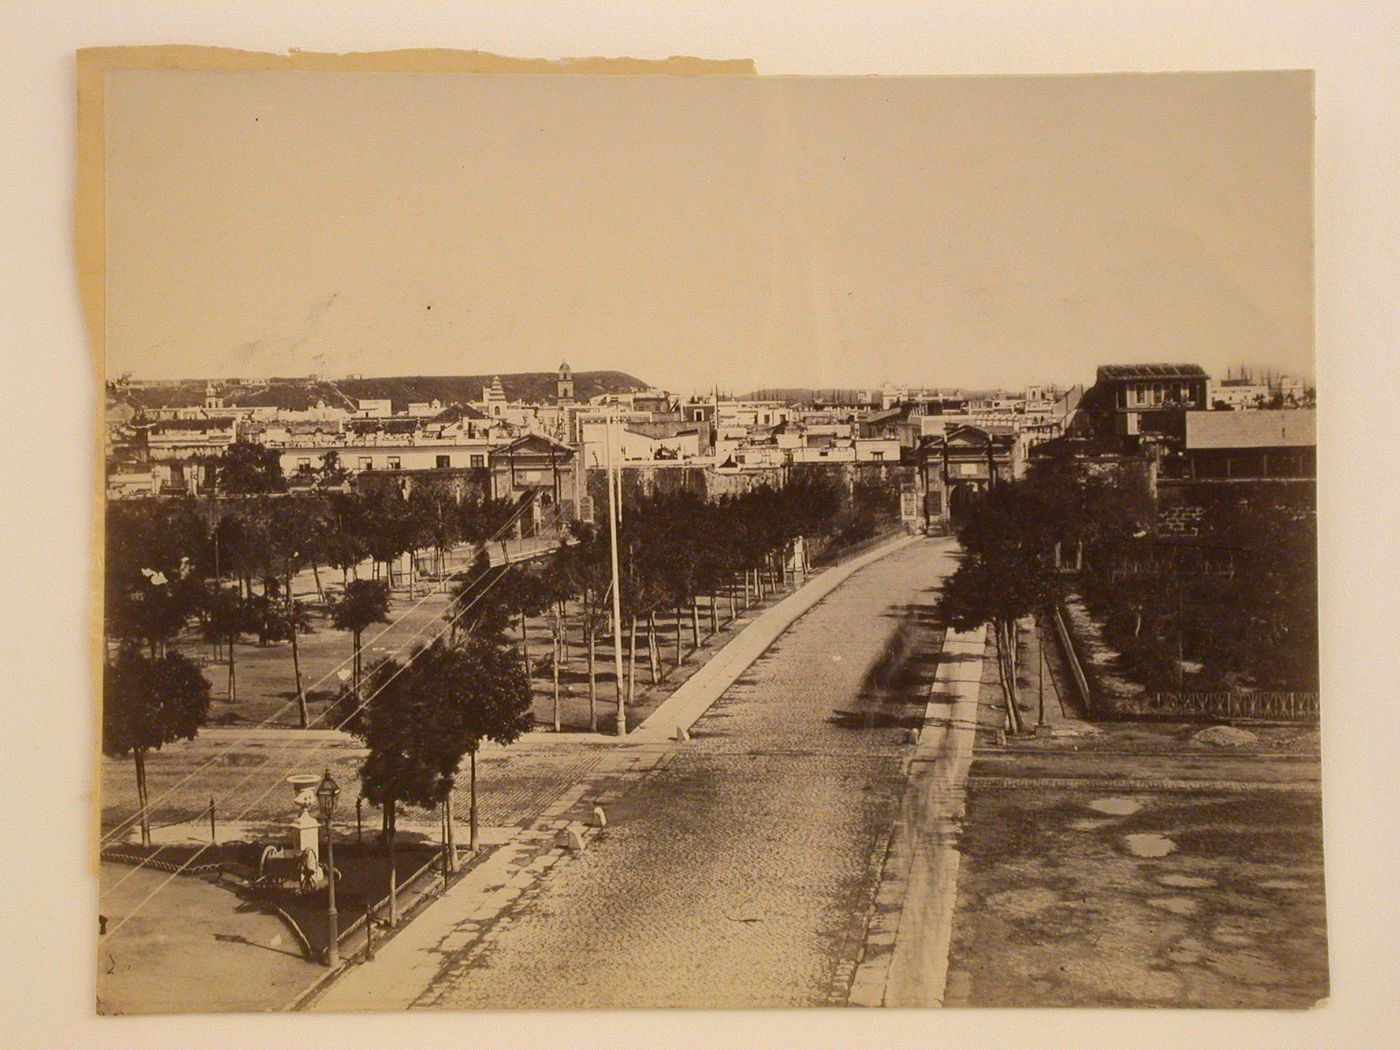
(167,568)
(674,550)
(228,566)
(421,718)
(1234,606)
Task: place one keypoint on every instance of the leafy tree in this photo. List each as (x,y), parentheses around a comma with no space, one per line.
(363,602)
(387,530)
(330,473)
(480,519)
(151,590)
(246,468)
(342,544)
(292,525)
(525,593)
(434,511)
(224,618)
(582,568)
(240,547)
(480,602)
(147,702)
(420,718)
(1008,573)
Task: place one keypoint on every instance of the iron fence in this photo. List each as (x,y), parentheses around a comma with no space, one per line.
(1228,706)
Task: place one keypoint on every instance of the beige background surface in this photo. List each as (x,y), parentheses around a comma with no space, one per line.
(49,401)
(733,230)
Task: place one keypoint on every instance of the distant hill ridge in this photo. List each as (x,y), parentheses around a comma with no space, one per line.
(299,394)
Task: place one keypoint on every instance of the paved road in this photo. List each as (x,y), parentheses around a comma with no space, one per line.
(741,871)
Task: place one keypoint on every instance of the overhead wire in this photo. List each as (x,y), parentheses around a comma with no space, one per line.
(418,634)
(119,830)
(505,567)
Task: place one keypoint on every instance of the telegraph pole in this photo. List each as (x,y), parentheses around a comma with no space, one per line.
(616,582)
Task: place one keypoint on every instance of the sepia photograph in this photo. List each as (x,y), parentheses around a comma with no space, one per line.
(622,535)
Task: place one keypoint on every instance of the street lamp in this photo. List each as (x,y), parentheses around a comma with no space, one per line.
(326,795)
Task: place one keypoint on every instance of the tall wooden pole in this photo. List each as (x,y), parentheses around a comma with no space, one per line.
(616,585)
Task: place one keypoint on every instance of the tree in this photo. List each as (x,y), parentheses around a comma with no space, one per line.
(330,474)
(492,702)
(423,716)
(582,569)
(1008,573)
(364,602)
(292,524)
(247,468)
(553,594)
(147,702)
(437,523)
(151,588)
(480,602)
(225,616)
(240,546)
(342,544)
(387,530)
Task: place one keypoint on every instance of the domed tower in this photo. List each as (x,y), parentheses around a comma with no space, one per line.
(564,389)
(212,400)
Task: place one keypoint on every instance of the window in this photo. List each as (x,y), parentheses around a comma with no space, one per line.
(444,462)
(393,462)
(303,463)
(366,463)
(478,461)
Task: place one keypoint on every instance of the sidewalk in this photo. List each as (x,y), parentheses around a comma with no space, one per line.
(906,948)
(683,708)
(405,968)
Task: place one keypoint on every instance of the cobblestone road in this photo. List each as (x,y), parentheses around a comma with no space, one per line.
(739,872)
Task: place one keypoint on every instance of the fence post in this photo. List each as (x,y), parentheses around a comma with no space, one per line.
(213,830)
(369,931)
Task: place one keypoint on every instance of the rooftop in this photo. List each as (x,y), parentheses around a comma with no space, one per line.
(1117,373)
(1264,428)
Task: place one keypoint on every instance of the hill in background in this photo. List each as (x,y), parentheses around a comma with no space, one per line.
(805,395)
(299,394)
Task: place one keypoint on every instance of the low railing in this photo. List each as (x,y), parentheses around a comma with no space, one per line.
(831,556)
(1076,668)
(1226,706)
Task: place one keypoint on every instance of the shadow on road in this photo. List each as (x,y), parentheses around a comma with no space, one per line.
(235,938)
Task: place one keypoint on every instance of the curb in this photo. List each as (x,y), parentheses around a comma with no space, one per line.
(679,711)
(901,915)
(697,694)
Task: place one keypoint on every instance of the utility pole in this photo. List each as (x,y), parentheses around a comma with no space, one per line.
(616,584)
(1040,668)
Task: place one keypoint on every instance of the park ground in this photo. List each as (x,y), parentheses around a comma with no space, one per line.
(1133,864)
(265,692)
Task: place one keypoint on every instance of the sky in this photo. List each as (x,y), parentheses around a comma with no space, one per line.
(700,231)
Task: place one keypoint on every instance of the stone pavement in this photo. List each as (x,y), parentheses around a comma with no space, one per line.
(685,706)
(736,868)
(408,963)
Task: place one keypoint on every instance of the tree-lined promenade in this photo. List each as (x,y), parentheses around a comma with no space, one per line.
(184,590)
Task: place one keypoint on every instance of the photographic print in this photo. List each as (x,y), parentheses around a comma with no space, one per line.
(632,535)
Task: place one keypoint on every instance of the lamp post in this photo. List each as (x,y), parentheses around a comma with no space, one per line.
(326,795)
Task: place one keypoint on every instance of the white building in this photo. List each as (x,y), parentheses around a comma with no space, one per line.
(374,408)
(633,445)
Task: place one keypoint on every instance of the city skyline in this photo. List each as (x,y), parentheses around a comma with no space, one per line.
(827,232)
(1233,372)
